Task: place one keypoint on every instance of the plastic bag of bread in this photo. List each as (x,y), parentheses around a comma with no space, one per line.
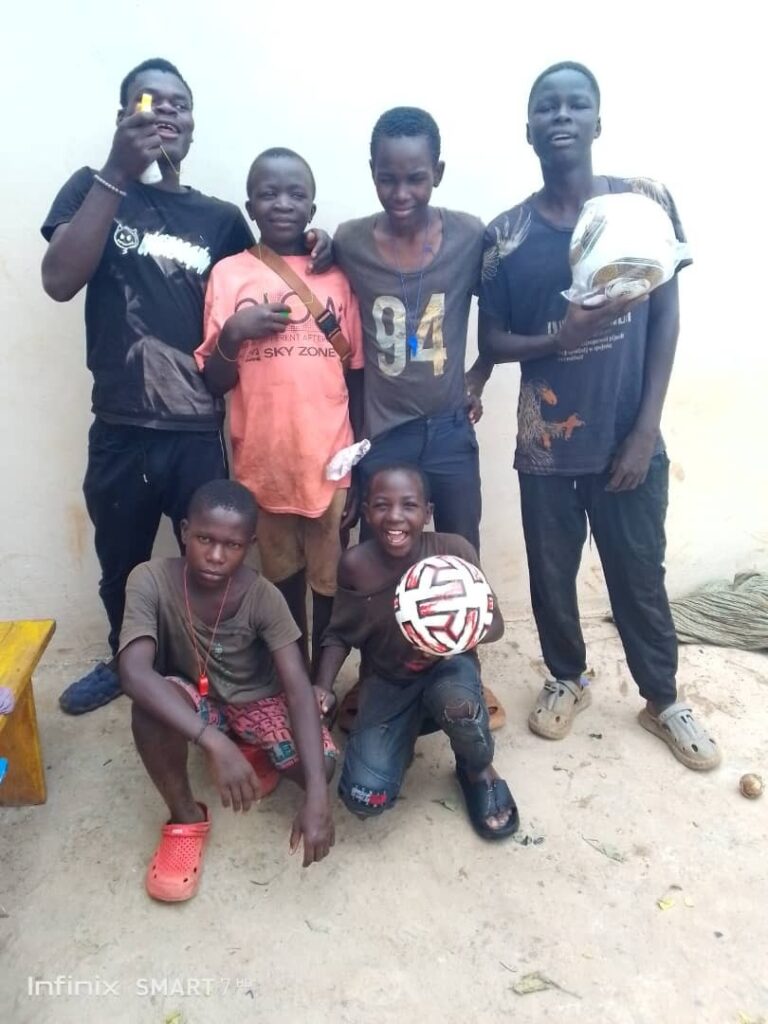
(623,246)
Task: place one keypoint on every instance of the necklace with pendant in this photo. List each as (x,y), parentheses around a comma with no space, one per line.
(202,666)
(412,318)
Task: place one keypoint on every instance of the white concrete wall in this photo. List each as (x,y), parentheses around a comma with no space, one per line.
(682,102)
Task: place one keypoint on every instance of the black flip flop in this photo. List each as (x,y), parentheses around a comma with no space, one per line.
(485,801)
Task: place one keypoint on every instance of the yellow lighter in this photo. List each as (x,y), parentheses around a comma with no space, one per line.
(151,175)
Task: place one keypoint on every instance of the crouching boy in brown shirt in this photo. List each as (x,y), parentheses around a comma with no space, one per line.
(207,649)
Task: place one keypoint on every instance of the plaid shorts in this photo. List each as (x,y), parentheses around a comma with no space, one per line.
(262,723)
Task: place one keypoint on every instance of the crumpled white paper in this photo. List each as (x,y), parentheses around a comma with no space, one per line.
(343,461)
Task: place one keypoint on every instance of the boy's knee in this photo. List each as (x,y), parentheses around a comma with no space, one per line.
(461,711)
(364,801)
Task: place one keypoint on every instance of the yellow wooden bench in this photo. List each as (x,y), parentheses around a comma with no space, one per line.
(21,647)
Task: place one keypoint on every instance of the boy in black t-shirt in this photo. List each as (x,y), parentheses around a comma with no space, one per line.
(589,447)
(144,252)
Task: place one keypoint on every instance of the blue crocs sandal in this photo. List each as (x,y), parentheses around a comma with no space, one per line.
(100,686)
(486,800)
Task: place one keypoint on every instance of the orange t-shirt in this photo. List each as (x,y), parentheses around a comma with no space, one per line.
(289,411)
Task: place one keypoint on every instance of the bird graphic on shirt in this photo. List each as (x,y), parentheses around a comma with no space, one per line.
(656,191)
(535,434)
(510,235)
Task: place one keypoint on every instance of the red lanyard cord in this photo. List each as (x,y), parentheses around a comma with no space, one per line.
(202,667)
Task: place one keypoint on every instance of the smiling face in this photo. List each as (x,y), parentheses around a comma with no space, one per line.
(563,118)
(397,511)
(281,196)
(216,542)
(404,173)
(172,105)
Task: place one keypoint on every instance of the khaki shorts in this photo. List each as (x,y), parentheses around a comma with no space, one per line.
(287,544)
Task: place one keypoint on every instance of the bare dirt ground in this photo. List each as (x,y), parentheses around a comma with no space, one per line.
(638,889)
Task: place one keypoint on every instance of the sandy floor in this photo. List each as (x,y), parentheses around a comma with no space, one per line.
(412,918)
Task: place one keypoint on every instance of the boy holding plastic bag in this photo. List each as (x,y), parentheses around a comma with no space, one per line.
(594,374)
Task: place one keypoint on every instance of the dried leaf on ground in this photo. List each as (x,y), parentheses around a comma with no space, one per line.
(535,982)
(538,982)
(523,839)
(606,849)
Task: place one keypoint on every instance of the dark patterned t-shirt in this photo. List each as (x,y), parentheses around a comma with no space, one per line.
(575,408)
(144,303)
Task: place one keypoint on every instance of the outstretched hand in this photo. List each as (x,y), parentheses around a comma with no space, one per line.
(315,824)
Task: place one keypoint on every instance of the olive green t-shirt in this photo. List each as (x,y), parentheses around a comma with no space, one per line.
(240,667)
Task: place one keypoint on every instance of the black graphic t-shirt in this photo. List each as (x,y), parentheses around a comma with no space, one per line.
(577,407)
(144,303)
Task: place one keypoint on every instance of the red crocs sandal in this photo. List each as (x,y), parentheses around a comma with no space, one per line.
(174,872)
(266,773)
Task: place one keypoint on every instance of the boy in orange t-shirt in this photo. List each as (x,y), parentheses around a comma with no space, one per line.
(293,405)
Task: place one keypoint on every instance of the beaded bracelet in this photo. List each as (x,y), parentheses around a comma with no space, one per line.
(109,186)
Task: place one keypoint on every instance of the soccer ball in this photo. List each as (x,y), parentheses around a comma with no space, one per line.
(443,605)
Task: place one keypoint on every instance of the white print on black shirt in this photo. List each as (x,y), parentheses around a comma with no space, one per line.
(600,343)
(194,257)
(126,238)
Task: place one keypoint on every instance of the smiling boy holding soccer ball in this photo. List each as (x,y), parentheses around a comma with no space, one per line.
(403,688)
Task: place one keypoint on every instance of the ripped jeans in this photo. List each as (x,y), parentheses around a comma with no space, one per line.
(393,713)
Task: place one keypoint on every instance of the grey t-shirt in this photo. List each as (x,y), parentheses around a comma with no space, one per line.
(405,382)
(240,666)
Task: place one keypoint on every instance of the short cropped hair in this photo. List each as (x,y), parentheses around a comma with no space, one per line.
(566,65)
(401,467)
(410,122)
(279,151)
(153,64)
(225,494)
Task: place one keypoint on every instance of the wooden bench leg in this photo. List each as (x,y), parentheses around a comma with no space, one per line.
(20,743)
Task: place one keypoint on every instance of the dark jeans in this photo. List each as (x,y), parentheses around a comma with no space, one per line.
(629,532)
(392,713)
(135,475)
(445,449)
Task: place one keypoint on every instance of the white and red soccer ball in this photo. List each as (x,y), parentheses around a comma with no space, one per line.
(443,605)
